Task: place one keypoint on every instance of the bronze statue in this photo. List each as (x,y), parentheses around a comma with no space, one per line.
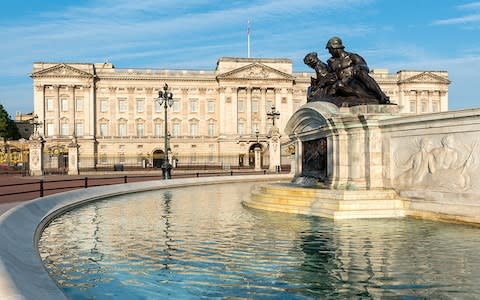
(344,79)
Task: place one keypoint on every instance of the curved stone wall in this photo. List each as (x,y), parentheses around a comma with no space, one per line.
(22,274)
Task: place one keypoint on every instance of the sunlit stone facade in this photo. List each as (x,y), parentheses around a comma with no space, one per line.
(214,117)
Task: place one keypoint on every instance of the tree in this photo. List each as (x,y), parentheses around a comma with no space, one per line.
(8,129)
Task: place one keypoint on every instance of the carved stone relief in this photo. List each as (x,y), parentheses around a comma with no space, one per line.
(446,164)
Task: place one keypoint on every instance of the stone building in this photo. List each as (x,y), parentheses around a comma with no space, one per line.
(216,118)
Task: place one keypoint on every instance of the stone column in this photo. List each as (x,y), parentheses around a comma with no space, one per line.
(233,119)
(112,113)
(90,129)
(73,157)
(59,109)
(339,155)
(292,164)
(261,109)
(373,154)
(36,163)
(248,111)
(258,160)
(429,101)
(274,148)
(444,100)
(356,154)
(40,105)
(417,102)
(73,111)
(222,110)
(298,158)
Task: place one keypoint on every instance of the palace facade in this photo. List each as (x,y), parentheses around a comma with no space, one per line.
(216,118)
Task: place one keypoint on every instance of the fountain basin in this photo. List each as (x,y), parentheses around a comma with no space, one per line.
(22,274)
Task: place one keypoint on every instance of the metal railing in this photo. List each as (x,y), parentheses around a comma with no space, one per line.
(42,187)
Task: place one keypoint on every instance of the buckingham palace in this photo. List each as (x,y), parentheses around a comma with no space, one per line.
(216,118)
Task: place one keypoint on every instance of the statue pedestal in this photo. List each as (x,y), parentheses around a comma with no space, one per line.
(341,146)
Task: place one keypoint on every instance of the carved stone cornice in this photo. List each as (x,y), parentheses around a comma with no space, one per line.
(149,90)
(255,71)
(60,71)
(425,77)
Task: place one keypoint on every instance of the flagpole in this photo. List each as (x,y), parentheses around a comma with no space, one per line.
(248,38)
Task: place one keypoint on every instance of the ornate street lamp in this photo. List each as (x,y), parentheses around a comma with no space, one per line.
(274,114)
(165,98)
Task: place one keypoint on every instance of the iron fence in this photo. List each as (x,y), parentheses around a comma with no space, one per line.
(41,187)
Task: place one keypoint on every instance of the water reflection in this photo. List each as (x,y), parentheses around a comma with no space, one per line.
(200,242)
(167,211)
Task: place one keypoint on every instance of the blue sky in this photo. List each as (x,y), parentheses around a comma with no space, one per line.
(193,34)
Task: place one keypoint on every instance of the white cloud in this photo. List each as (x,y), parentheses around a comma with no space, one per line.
(473,5)
(460,20)
(194,33)
(465,19)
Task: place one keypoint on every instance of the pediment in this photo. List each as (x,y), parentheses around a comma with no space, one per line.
(255,71)
(62,70)
(426,77)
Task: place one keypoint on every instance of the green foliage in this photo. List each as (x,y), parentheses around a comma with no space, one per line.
(8,129)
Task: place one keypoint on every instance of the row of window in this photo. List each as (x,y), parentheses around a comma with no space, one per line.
(65,129)
(255,105)
(424,107)
(79,103)
(158,130)
(140,129)
(140,105)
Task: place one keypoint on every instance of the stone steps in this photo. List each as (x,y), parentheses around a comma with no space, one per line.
(336,204)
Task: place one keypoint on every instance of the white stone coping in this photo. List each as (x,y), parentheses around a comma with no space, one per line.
(22,273)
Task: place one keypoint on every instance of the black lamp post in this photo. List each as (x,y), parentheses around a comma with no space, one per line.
(274,114)
(165,98)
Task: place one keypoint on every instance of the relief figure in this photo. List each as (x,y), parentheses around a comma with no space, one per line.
(419,165)
(441,168)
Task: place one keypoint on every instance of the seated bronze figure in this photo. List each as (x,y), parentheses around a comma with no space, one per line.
(344,79)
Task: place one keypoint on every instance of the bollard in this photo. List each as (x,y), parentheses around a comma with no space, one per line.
(125,179)
(41,187)
(86,182)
